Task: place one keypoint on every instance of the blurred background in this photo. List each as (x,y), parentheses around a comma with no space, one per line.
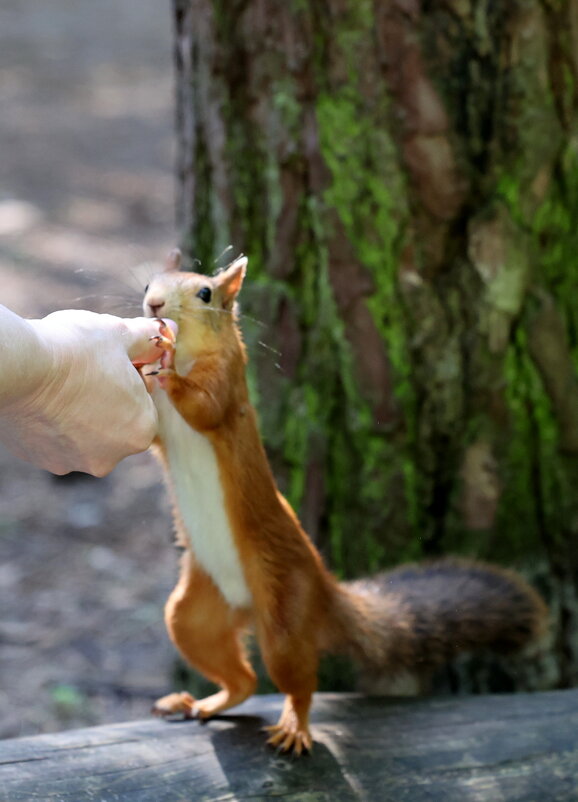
(404,179)
(86,196)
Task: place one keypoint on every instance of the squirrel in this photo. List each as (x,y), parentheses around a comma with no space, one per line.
(247,562)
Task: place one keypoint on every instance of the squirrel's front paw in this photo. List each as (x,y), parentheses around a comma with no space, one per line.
(163,376)
(165,340)
(162,342)
(174,704)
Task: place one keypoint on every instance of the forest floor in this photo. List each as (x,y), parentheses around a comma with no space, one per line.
(86,196)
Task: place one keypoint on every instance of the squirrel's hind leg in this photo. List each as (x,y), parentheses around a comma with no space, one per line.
(292,665)
(291,733)
(208,633)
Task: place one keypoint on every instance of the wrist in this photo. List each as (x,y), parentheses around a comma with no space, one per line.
(26,359)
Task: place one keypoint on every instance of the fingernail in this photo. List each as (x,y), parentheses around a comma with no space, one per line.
(171,324)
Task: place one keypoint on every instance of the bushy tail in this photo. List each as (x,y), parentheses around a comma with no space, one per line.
(411,620)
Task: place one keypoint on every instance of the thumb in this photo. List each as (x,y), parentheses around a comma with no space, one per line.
(137,338)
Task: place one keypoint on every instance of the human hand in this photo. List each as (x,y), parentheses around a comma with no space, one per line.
(78,403)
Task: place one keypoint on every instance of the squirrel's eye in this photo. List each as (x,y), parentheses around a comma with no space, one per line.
(147,287)
(204,295)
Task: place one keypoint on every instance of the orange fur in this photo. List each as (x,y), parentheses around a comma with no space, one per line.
(289,585)
(208,634)
(297,608)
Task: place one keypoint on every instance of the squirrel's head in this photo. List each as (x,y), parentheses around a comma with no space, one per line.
(192,300)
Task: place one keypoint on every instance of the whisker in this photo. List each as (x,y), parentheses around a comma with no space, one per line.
(241,315)
(141,275)
(269,348)
(91,275)
(122,305)
(140,285)
(201,309)
(103,296)
(223,252)
(252,319)
(131,305)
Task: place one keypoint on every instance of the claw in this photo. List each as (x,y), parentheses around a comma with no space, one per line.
(165,330)
(164,374)
(286,739)
(162,342)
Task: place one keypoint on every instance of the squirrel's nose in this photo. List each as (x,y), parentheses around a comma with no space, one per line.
(155,305)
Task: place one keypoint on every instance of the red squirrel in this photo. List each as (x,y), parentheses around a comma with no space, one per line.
(247,561)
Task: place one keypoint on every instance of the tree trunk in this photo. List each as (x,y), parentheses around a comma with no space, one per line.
(403,176)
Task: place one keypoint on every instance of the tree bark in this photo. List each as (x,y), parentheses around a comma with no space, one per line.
(403,176)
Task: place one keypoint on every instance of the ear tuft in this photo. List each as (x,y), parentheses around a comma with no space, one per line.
(173,260)
(240,263)
(230,281)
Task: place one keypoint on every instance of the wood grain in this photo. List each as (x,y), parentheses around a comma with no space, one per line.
(517,748)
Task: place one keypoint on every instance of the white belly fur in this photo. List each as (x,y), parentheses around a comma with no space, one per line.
(200,499)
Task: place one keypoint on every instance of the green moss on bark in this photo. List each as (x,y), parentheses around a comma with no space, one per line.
(367,192)
(538,509)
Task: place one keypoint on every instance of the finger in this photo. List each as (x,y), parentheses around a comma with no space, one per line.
(100,462)
(137,338)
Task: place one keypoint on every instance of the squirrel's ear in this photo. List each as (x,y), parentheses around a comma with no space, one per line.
(173,260)
(230,281)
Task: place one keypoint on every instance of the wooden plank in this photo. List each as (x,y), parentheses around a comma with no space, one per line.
(516,748)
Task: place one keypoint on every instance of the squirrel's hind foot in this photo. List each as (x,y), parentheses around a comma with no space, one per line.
(285,738)
(290,734)
(185,705)
(175,704)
